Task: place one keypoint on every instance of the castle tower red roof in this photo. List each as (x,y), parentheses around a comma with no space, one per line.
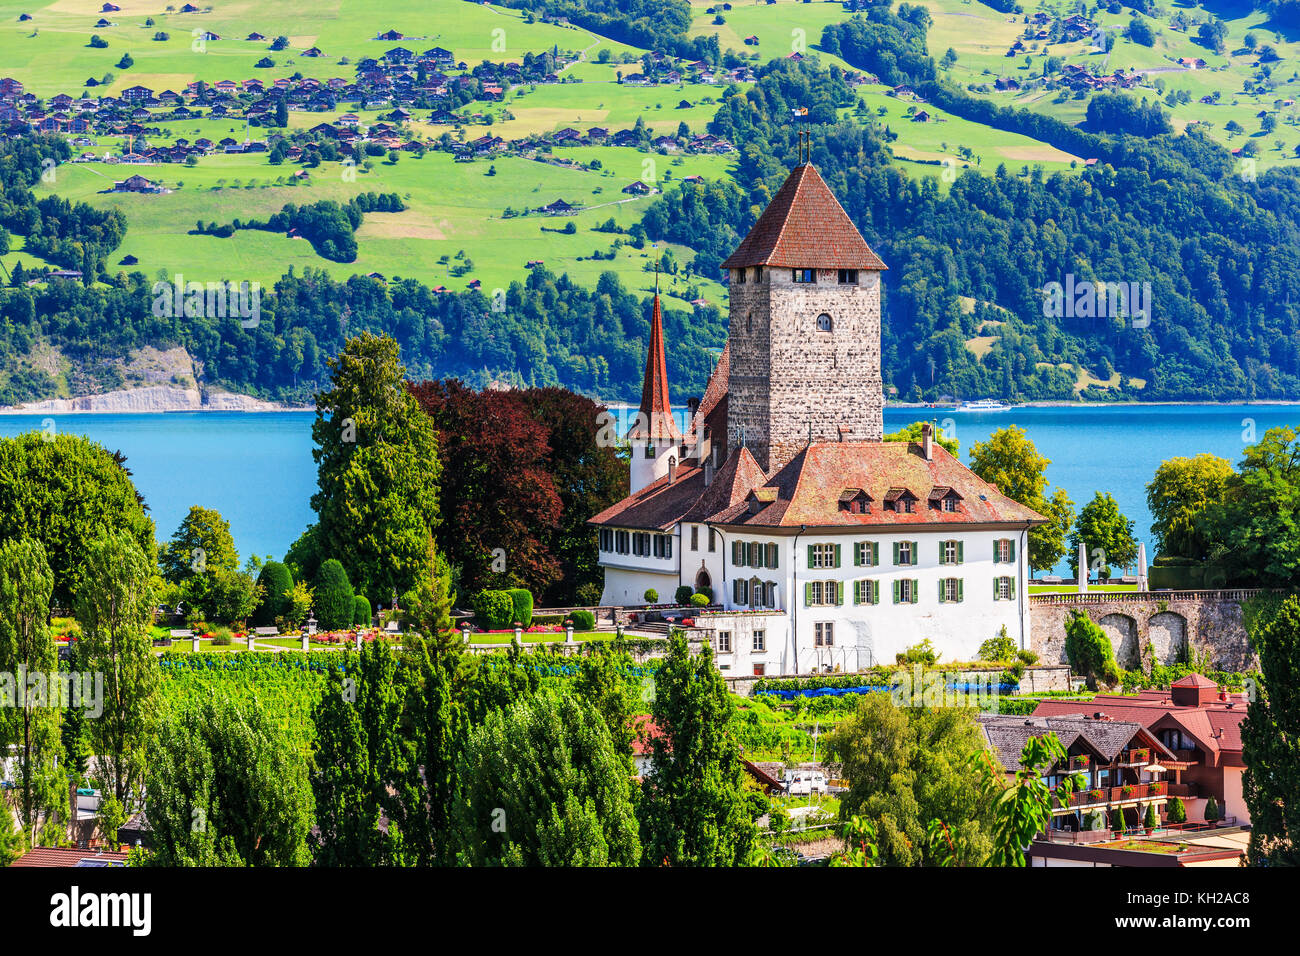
(804,226)
(655,420)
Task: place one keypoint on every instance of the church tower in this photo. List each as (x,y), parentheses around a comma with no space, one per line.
(804,327)
(655,439)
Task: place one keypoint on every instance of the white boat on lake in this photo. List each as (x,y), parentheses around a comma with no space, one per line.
(984,405)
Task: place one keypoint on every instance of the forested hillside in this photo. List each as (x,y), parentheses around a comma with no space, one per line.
(1219,251)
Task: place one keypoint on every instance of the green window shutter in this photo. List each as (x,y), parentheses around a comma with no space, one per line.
(895,590)
(961,551)
(857,554)
(839,591)
(837,556)
(773,555)
(896,548)
(943,549)
(857,592)
(961,590)
(1012,592)
(875,553)
(996,588)
(807,594)
(810,556)
(916,552)
(916,590)
(941,599)
(1012,546)
(735,553)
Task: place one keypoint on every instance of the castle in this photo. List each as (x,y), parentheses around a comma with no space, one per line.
(827,548)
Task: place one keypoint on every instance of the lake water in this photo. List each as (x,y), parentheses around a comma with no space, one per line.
(257,469)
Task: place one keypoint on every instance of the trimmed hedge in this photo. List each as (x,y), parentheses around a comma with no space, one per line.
(583,620)
(276,582)
(335,601)
(495,610)
(522,599)
(361,613)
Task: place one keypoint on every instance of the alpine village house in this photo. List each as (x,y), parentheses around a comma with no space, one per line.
(823,547)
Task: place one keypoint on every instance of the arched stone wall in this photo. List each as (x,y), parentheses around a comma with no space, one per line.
(1167,635)
(1122,630)
(1164,626)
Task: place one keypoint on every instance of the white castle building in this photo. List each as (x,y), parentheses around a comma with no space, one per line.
(828,548)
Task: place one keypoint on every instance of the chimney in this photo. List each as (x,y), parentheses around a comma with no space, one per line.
(927,445)
(708,472)
(672,468)
(692,406)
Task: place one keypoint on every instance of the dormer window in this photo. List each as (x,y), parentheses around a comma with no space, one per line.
(900,500)
(944,499)
(855,501)
(824,323)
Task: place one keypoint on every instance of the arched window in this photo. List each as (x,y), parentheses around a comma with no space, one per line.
(824,323)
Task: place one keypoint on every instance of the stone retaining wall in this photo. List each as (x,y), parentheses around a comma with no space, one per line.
(1148,627)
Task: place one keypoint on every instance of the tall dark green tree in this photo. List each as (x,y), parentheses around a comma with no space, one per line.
(1270,741)
(1257,527)
(693,808)
(1105,533)
(377,462)
(335,605)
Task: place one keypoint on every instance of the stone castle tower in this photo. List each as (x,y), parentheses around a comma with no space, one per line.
(804,327)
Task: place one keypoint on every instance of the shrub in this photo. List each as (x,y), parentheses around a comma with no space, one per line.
(707,592)
(1151,821)
(652,596)
(1088,650)
(1176,810)
(335,601)
(923,653)
(1027,657)
(361,611)
(1000,648)
(277,588)
(1211,810)
(494,609)
(683,594)
(222,637)
(700,600)
(583,620)
(522,600)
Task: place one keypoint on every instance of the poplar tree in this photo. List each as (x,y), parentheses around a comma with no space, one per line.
(29,723)
(694,810)
(114,606)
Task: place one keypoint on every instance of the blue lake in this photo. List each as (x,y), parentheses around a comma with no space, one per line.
(257,469)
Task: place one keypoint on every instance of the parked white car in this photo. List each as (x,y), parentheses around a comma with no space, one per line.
(800,783)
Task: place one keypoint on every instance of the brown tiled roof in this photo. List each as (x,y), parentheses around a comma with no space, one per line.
(1216,726)
(804,226)
(1007,735)
(810,486)
(50,856)
(714,400)
(659,505)
(735,478)
(656,417)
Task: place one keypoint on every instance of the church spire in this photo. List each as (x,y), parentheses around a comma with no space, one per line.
(655,420)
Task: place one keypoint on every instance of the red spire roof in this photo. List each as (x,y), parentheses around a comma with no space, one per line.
(655,420)
(804,227)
